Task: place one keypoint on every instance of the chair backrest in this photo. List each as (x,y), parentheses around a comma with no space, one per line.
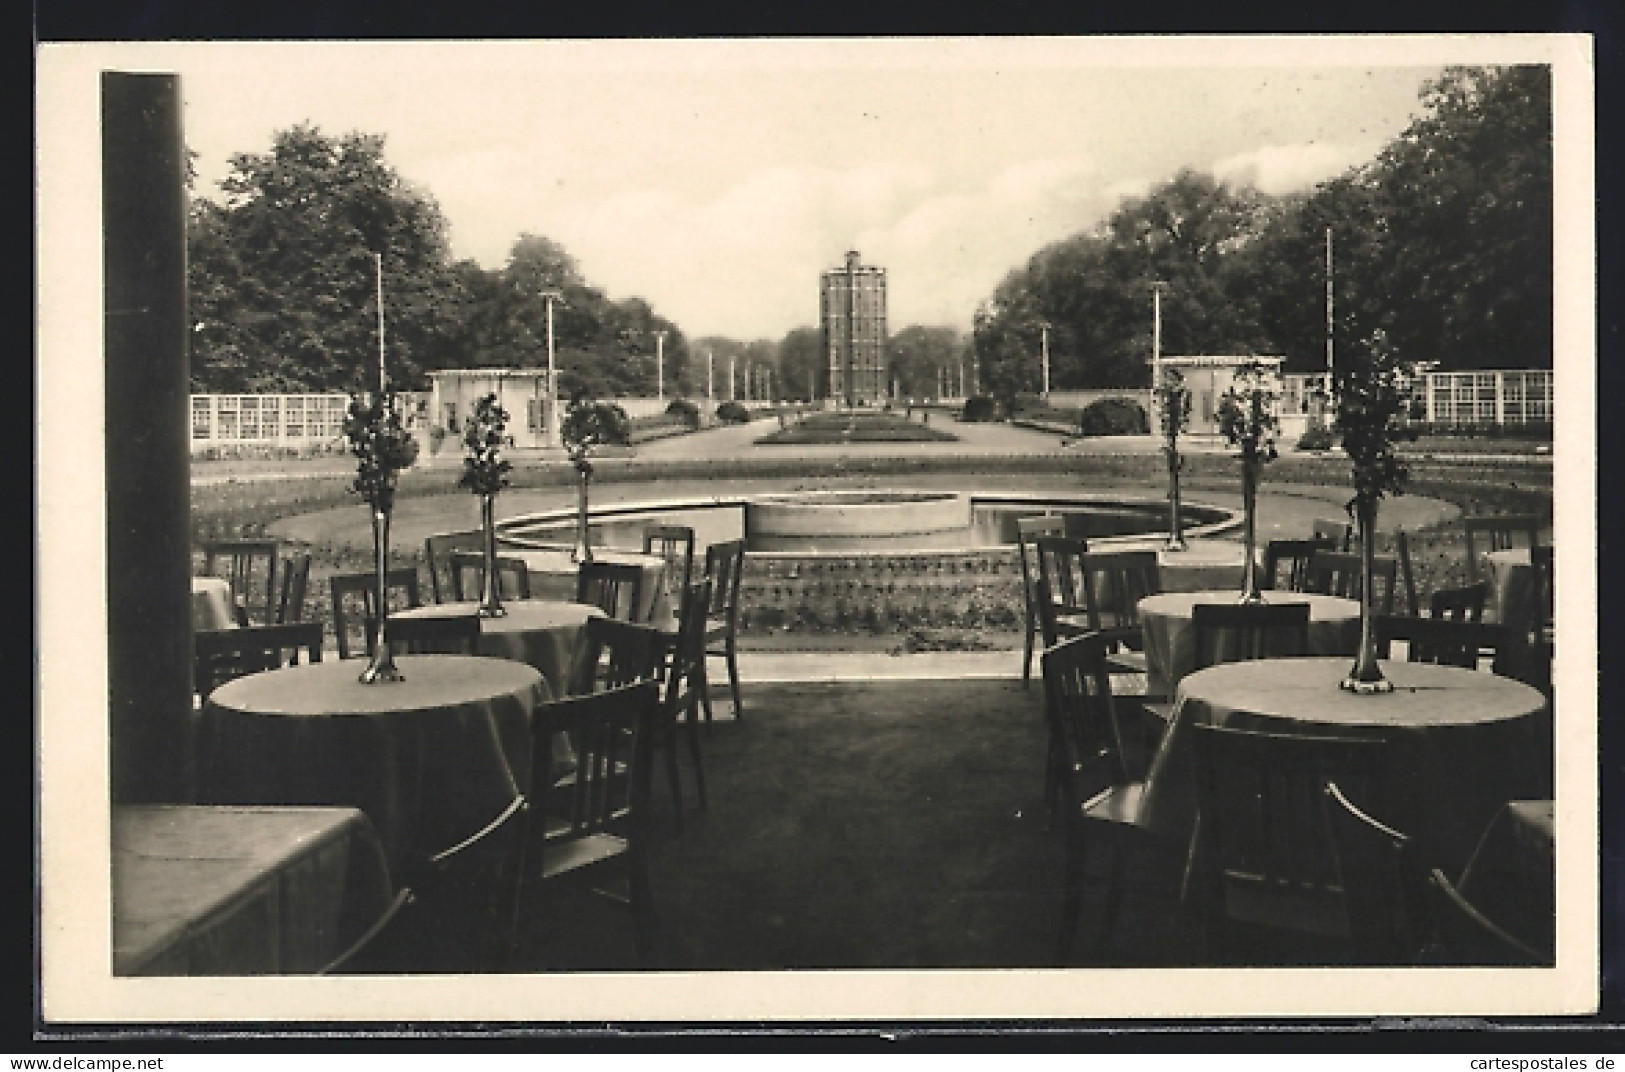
(1407,575)
(1028,531)
(1295,556)
(1234,632)
(685,667)
(1078,704)
(613,734)
(1118,580)
(724,566)
(402,591)
(1445,641)
(1500,532)
(456,635)
(675,544)
(1060,568)
(219,655)
(1542,561)
(437,549)
(468,576)
(290,606)
(250,567)
(1264,831)
(1462,604)
(1384,888)
(616,588)
(615,653)
(1468,937)
(1334,573)
(1340,533)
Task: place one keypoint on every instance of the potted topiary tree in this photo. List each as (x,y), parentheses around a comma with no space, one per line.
(1247,420)
(587,426)
(485,472)
(382,447)
(1174,415)
(1371,407)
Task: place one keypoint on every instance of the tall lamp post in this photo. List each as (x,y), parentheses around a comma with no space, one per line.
(1157,287)
(710,377)
(660,365)
(1044,344)
(549,297)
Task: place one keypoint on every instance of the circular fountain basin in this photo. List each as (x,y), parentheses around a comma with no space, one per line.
(854,518)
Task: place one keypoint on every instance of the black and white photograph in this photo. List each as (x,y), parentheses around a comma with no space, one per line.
(549,531)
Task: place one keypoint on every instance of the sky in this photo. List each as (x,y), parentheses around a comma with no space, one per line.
(717,179)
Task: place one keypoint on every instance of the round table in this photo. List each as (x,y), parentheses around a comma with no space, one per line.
(1204,565)
(1461,743)
(212,604)
(430,760)
(540,633)
(1170,635)
(553,576)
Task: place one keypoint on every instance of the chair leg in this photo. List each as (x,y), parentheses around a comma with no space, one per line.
(1027,654)
(702,683)
(1071,893)
(733,676)
(694,752)
(1114,898)
(671,772)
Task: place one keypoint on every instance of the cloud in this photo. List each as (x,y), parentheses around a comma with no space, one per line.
(1285,169)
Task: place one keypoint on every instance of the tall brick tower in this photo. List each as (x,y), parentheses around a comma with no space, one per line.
(852,302)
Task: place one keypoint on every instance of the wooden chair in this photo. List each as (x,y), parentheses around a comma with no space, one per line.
(674,544)
(468,576)
(402,582)
(1232,632)
(1446,642)
(1295,556)
(459,635)
(724,567)
(1463,604)
(1467,937)
(1339,533)
(437,550)
(1065,612)
(1384,890)
(243,563)
(1099,796)
(615,653)
(1118,580)
(680,698)
(290,605)
(1028,530)
(1497,533)
(357,951)
(220,655)
(598,820)
(1333,573)
(1264,859)
(616,588)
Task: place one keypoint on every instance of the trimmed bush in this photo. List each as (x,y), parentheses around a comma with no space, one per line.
(979,409)
(686,411)
(1317,437)
(731,412)
(1113,416)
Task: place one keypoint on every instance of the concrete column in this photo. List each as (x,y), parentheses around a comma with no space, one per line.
(149,616)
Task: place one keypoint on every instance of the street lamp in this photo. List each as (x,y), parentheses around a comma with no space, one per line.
(1044,329)
(1157,287)
(660,365)
(549,297)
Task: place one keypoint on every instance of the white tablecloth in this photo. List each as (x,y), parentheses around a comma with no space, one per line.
(553,577)
(1513,578)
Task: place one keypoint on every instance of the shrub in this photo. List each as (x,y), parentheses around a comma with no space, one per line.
(979,409)
(1113,416)
(1316,437)
(1028,405)
(686,411)
(731,412)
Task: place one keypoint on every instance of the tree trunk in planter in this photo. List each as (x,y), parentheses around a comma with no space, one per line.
(1249,564)
(583,549)
(381,667)
(1366,675)
(490,596)
(1176,532)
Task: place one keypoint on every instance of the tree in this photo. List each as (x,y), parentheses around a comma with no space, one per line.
(802,367)
(915,354)
(282,273)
